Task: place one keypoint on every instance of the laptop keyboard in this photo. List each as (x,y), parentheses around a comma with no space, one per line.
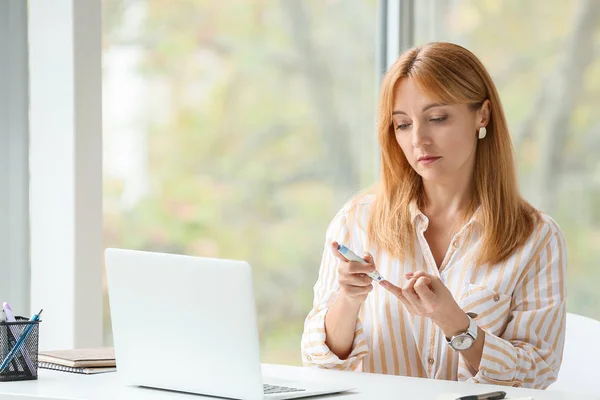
(272,389)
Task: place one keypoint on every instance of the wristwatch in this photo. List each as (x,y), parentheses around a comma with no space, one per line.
(465,340)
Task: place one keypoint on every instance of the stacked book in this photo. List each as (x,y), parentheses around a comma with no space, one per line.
(79,361)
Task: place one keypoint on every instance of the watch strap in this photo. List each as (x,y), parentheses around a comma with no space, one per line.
(471,330)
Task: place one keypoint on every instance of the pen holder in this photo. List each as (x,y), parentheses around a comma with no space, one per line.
(23,364)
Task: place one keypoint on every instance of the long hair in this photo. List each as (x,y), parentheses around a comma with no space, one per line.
(450,74)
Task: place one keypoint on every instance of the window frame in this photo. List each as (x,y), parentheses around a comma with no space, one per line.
(14,171)
(65,162)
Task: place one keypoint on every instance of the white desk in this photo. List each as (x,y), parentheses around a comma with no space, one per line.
(368,386)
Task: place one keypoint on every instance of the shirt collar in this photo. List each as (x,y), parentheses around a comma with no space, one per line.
(415,213)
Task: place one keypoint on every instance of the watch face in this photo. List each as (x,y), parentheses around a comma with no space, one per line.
(462,342)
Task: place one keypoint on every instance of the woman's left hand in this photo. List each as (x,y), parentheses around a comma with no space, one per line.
(426,295)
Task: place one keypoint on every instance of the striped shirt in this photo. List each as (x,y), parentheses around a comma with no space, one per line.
(520,302)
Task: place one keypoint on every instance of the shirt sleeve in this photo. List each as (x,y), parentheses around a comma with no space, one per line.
(314,350)
(529,352)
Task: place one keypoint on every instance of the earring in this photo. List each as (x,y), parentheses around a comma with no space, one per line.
(482,132)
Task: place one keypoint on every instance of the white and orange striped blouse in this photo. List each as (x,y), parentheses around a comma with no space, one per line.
(520,305)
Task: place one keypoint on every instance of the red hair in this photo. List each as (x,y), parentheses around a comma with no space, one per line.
(450,74)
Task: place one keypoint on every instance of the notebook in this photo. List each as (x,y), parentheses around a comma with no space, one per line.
(80,358)
(80,370)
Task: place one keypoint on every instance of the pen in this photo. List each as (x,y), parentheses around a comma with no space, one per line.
(15,332)
(485,396)
(20,341)
(346,252)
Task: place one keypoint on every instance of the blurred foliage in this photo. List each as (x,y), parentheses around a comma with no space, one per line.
(258,123)
(239,163)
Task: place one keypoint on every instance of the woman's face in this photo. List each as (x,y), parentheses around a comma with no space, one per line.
(438,140)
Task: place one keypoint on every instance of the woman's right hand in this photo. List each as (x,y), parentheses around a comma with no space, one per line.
(355,284)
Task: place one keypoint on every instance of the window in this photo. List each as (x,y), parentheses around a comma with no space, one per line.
(237,129)
(544,60)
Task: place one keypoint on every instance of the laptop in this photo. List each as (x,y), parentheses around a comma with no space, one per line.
(189,324)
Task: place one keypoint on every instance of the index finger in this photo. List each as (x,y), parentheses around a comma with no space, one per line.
(395,290)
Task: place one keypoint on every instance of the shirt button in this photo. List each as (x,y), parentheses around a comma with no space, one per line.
(496,298)
(430,360)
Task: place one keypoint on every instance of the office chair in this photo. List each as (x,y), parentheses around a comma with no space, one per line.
(581,358)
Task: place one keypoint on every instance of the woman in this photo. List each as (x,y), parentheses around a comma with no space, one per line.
(475,276)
